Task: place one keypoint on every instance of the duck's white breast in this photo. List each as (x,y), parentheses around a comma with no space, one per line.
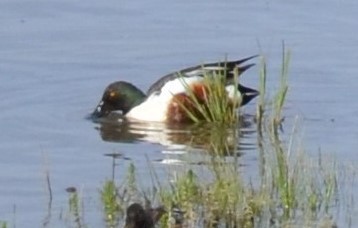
(154,108)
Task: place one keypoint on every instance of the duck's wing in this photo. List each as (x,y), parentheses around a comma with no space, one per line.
(225,67)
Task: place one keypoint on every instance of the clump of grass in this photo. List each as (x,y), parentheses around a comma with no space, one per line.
(293,188)
(286,172)
(280,96)
(300,189)
(281,93)
(262,94)
(183,194)
(3,224)
(225,198)
(111,206)
(215,106)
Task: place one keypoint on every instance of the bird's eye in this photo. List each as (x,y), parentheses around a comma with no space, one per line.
(112,94)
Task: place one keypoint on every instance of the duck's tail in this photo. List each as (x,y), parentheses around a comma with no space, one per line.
(231,65)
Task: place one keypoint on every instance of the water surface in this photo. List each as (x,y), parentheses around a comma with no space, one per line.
(56,58)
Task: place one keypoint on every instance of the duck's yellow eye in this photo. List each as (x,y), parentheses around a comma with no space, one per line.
(112,94)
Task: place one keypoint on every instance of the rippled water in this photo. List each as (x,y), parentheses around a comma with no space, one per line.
(56,57)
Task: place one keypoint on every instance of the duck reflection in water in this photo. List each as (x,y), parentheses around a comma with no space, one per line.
(202,137)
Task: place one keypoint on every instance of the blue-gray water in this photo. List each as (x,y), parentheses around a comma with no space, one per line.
(56,57)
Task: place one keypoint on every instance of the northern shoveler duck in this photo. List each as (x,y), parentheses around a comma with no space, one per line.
(138,217)
(160,104)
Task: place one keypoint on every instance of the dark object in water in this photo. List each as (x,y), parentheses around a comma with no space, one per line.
(138,217)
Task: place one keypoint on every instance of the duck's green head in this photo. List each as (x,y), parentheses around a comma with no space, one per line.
(118,96)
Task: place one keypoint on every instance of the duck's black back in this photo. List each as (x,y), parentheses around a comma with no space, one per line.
(222,67)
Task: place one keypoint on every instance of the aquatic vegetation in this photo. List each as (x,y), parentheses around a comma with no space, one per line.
(3,224)
(291,189)
(261,105)
(111,206)
(75,210)
(215,105)
(281,94)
